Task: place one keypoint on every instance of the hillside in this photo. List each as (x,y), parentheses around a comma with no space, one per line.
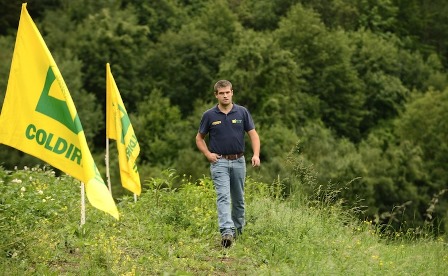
(173,232)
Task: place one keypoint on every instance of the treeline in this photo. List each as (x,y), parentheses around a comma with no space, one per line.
(350,93)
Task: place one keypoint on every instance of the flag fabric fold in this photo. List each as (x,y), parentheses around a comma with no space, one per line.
(39,117)
(119,128)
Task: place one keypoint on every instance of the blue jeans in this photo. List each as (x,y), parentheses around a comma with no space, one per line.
(228,178)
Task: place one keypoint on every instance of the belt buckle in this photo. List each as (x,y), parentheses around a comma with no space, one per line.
(231,156)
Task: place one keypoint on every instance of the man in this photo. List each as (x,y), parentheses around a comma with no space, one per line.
(226,124)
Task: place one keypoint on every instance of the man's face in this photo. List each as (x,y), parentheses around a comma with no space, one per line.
(224,95)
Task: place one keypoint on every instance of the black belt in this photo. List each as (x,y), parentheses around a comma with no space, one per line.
(231,156)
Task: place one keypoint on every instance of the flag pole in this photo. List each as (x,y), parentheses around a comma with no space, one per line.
(83,205)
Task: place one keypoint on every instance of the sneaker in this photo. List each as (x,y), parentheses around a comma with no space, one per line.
(227,240)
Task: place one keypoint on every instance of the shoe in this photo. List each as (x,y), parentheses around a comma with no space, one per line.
(227,240)
(239,232)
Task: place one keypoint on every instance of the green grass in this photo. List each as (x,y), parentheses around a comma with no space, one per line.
(174,232)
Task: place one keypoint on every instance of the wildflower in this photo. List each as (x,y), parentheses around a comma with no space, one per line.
(40,192)
(16,180)
(23,189)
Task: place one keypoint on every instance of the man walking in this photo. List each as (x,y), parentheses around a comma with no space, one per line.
(226,123)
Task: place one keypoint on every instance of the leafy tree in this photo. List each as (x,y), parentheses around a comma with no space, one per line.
(390,75)
(91,40)
(160,16)
(113,36)
(10,12)
(260,15)
(426,23)
(395,173)
(325,59)
(335,159)
(159,129)
(379,177)
(424,124)
(335,13)
(386,96)
(377,16)
(277,142)
(267,80)
(183,64)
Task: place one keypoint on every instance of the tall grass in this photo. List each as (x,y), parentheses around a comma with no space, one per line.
(173,231)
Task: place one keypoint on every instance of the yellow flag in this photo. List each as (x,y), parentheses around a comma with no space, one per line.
(119,128)
(39,117)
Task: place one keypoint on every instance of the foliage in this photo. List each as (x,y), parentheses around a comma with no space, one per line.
(110,30)
(260,15)
(264,74)
(377,177)
(326,65)
(158,128)
(424,127)
(184,63)
(159,16)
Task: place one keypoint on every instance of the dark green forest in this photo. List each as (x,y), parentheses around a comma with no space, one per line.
(349,94)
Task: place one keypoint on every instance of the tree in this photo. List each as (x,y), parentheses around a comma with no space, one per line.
(325,59)
(160,130)
(424,124)
(260,15)
(394,172)
(426,23)
(183,64)
(159,16)
(267,80)
(114,36)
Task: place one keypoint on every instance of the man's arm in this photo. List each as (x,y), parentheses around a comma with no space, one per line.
(202,146)
(255,142)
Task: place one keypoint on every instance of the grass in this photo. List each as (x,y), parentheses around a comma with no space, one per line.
(174,232)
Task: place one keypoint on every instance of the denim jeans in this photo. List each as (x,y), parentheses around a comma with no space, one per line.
(228,178)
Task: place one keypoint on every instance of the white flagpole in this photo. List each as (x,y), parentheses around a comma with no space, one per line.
(83,205)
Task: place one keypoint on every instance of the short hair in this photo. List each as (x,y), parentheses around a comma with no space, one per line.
(222,83)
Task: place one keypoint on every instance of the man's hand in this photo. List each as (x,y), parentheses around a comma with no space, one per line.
(255,161)
(212,157)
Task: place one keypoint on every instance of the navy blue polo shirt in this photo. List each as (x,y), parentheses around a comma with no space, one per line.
(226,130)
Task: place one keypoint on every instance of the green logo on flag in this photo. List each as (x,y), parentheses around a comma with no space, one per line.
(55,108)
(125,123)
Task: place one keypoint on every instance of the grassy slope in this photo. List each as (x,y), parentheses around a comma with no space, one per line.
(175,233)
